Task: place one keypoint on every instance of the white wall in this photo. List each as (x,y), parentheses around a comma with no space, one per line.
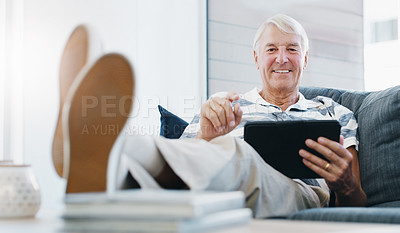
(164,40)
(334,27)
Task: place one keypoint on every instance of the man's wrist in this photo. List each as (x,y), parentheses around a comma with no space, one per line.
(351,197)
(199,135)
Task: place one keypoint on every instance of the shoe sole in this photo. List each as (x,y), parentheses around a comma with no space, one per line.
(79,50)
(93,116)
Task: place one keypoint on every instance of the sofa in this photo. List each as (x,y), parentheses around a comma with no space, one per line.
(378,116)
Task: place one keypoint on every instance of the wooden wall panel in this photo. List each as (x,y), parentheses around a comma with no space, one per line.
(222,85)
(223,70)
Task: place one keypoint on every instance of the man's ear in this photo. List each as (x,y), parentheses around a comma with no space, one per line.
(256,58)
(305,60)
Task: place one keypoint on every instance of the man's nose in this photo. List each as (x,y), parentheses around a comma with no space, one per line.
(281,57)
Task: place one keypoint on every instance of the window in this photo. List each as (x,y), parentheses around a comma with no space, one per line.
(384,31)
(381,44)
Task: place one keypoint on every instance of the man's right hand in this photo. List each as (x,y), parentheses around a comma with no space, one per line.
(218,117)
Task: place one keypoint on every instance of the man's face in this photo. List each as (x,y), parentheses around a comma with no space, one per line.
(280,59)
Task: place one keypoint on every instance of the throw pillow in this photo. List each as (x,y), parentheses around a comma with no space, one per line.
(172,126)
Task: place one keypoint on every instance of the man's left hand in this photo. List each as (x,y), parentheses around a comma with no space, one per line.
(337,170)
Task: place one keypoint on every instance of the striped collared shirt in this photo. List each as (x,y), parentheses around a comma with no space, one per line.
(255,108)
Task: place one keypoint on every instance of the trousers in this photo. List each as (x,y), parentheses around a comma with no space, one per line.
(228,163)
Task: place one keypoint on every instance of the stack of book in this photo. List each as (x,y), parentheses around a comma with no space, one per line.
(154,211)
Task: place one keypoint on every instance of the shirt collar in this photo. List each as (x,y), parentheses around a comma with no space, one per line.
(302,104)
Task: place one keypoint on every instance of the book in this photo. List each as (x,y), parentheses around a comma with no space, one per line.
(142,204)
(205,223)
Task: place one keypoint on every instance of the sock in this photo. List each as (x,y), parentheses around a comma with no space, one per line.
(145,152)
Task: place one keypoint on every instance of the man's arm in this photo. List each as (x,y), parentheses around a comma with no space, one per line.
(218,118)
(342,174)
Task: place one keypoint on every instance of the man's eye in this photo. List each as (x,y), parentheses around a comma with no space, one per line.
(271,50)
(292,50)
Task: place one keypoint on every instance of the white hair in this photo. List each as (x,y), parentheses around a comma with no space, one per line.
(285,24)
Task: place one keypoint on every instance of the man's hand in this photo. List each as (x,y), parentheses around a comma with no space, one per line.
(341,173)
(218,117)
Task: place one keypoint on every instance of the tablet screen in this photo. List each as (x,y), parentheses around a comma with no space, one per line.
(279,142)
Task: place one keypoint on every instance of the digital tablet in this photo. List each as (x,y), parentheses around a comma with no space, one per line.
(279,142)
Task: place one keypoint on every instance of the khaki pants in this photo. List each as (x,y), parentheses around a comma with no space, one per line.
(226,164)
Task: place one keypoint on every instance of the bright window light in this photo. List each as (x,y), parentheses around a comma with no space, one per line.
(381,44)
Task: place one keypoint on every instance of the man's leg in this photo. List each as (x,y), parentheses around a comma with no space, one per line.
(139,157)
(224,164)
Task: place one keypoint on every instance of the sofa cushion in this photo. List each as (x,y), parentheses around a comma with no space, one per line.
(353,100)
(172,126)
(379,149)
(350,214)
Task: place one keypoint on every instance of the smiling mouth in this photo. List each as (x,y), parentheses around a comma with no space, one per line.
(281,71)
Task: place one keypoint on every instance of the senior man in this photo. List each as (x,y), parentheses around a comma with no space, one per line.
(218,159)
(281,54)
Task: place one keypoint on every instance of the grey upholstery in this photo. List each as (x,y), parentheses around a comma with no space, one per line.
(378,116)
(379,130)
